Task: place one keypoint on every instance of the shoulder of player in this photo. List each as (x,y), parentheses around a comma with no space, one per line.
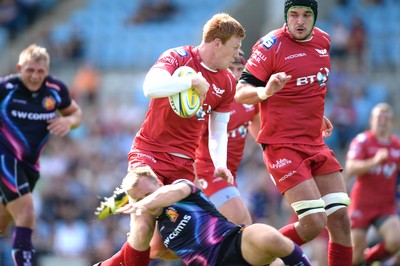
(12,78)
(53,82)
(320,34)
(180,51)
(271,41)
(363,137)
(395,139)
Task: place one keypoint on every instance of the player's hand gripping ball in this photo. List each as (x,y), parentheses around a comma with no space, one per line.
(185,103)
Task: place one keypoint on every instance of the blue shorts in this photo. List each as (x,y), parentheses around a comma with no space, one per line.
(16,179)
(230,250)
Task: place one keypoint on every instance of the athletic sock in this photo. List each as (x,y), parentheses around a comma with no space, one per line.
(377,252)
(128,256)
(339,255)
(22,249)
(296,258)
(290,232)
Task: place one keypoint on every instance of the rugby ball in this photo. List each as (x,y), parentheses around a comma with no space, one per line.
(185,103)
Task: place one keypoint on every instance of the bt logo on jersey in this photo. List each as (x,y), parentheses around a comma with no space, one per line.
(321,77)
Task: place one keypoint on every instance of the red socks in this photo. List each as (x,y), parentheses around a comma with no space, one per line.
(339,255)
(128,256)
(377,252)
(290,232)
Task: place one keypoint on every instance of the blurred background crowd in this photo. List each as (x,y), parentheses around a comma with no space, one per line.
(102,50)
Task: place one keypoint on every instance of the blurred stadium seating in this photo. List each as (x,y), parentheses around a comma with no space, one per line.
(93,158)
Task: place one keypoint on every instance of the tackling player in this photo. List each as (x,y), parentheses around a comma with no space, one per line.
(189,225)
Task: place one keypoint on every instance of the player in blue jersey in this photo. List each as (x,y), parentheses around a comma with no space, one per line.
(33,105)
(189,226)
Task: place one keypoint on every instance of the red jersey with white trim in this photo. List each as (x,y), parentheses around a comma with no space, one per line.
(293,115)
(377,188)
(241,116)
(162,129)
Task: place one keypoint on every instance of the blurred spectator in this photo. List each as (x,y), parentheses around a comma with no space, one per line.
(339,39)
(30,9)
(153,11)
(343,116)
(85,84)
(11,17)
(70,232)
(66,45)
(356,43)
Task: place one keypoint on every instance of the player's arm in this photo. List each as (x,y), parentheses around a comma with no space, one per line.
(162,197)
(361,167)
(160,83)
(251,90)
(254,127)
(218,143)
(70,118)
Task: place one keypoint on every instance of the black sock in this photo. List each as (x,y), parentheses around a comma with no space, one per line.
(296,258)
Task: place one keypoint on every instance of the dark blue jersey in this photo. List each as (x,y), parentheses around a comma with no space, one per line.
(194,229)
(24,115)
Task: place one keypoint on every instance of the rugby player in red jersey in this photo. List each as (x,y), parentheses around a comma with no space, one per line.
(374,158)
(167,142)
(287,74)
(226,196)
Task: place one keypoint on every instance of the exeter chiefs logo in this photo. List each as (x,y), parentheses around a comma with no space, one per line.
(172,214)
(49,103)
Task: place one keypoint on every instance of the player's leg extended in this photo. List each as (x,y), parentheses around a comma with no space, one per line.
(309,207)
(333,189)
(109,205)
(262,244)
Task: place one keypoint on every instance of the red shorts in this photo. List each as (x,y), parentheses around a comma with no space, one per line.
(210,184)
(291,164)
(363,217)
(167,167)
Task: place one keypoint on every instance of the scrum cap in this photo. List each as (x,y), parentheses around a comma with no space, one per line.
(311,4)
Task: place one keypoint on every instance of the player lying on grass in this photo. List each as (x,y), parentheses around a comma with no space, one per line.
(190,226)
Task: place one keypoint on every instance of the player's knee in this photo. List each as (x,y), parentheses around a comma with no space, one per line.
(312,217)
(312,226)
(306,208)
(283,245)
(336,201)
(336,209)
(25,218)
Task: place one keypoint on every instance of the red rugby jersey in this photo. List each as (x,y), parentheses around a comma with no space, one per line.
(162,129)
(241,116)
(293,115)
(377,188)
